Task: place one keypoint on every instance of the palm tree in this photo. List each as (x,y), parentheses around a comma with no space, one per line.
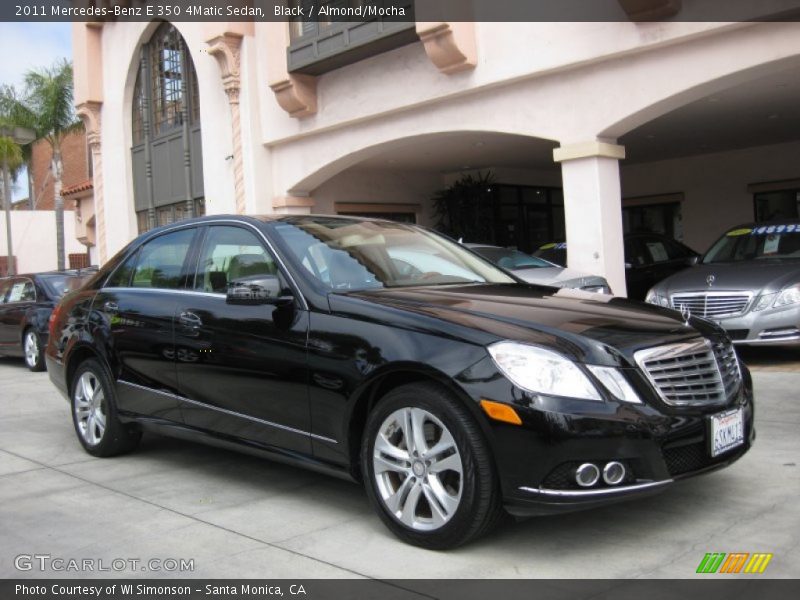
(11,156)
(46,107)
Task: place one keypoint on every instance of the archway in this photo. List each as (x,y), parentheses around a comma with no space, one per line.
(166,151)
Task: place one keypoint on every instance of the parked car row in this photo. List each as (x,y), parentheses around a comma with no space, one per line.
(388,354)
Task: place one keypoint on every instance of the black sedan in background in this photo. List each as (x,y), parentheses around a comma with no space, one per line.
(388,354)
(26,302)
(649,258)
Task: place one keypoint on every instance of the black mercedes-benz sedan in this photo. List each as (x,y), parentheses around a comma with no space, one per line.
(26,302)
(391,355)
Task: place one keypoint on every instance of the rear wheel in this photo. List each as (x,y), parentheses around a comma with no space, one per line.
(34,351)
(428,470)
(94,413)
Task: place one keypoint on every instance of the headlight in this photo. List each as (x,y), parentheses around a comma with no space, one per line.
(542,371)
(597,289)
(615,382)
(764,301)
(655,298)
(790,295)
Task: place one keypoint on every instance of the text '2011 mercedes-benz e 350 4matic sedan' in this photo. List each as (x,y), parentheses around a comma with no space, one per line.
(392,355)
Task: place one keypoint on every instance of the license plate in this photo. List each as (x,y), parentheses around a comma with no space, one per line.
(727,431)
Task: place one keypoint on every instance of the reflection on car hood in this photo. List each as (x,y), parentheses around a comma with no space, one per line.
(754,275)
(594,328)
(558,277)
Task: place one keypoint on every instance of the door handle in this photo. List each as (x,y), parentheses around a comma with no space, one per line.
(111,307)
(190,319)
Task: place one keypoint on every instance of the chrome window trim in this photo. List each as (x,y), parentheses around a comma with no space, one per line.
(596,492)
(166,291)
(278,258)
(230,412)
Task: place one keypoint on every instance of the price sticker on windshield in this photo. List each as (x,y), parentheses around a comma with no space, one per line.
(738,232)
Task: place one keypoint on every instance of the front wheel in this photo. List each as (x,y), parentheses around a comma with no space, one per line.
(34,351)
(427,468)
(94,413)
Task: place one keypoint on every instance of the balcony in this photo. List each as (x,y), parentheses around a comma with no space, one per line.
(318,47)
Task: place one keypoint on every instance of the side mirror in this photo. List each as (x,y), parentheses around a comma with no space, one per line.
(693,260)
(256,289)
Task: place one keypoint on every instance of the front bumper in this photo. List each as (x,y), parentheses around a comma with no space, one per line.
(772,326)
(657,443)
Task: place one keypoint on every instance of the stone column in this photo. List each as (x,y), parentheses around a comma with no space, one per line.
(593,209)
(90,114)
(227,49)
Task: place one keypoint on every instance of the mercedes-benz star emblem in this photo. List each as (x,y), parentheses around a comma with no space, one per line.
(710,280)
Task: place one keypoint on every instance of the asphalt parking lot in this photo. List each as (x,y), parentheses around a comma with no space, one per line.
(238,516)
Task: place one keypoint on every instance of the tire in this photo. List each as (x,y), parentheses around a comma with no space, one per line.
(94,413)
(420,495)
(33,350)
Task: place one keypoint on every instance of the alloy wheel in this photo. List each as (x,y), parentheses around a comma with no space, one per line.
(90,408)
(31,348)
(418,469)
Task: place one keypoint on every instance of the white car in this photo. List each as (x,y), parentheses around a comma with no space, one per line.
(537,270)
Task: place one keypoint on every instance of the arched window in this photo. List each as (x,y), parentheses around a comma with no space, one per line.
(165,127)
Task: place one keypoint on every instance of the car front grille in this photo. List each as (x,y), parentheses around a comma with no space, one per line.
(713,304)
(694,373)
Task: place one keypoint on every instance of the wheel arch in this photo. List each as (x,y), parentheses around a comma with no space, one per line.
(369,395)
(78,355)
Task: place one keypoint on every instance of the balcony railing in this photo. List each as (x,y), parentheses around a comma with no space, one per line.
(317,47)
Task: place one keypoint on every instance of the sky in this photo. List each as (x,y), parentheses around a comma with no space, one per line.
(26,46)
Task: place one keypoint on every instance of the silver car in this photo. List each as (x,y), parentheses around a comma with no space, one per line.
(537,270)
(748,282)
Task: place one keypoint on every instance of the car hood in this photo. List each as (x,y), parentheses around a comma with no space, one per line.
(752,275)
(592,328)
(558,277)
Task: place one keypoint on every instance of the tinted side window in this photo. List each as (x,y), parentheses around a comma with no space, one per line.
(231,253)
(122,276)
(160,262)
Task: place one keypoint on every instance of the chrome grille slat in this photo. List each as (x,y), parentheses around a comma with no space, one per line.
(713,304)
(692,373)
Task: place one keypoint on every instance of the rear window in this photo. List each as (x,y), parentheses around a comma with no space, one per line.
(58,285)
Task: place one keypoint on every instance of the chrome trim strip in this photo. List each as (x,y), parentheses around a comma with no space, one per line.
(166,291)
(598,492)
(766,341)
(230,412)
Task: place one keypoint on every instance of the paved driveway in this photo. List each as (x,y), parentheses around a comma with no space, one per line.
(238,516)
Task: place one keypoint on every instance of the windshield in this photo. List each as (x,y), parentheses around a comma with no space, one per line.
(61,284)
(777,242)
(354,254)
(510,259)
(555,253)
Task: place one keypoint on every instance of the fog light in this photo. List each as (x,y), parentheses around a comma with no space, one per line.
(587,475)
(613,472)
